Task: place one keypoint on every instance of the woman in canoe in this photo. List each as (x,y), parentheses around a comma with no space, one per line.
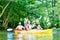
(28,27)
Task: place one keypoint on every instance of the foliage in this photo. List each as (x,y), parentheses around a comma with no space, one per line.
(19,9)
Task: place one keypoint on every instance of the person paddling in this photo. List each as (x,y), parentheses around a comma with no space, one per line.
(28,27)
(39,27)
(19,27)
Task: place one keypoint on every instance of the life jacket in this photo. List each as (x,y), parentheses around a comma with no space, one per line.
(29,26)
(39,28)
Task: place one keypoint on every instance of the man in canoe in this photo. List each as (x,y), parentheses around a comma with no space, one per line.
(39,27)
(19,27)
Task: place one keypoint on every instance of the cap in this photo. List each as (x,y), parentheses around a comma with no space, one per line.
(19,22)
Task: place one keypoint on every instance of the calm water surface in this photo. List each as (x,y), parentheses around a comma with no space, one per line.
(6,35)
(11,36)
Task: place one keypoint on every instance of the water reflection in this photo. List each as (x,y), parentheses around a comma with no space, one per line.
(21,36)
(27,36)
(24,36)
(18,37)
(10,36)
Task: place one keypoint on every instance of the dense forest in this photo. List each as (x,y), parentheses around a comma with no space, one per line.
(43,12)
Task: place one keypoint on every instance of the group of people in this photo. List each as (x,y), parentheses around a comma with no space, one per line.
(27,26)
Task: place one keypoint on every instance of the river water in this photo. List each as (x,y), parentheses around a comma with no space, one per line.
(4,35)
(11,36)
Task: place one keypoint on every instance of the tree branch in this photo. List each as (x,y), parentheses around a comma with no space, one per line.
(4,9)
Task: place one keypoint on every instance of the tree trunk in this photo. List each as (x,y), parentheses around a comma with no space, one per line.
(5,22)
(4,9)
(53,12)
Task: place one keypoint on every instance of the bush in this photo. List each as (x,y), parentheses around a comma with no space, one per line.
(3,27)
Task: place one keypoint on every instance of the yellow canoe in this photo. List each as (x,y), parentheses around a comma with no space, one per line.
(48,31)
(18,31)
(35,34)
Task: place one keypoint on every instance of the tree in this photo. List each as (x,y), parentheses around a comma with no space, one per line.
(12,12)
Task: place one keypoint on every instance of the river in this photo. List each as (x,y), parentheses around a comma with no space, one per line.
(4,35)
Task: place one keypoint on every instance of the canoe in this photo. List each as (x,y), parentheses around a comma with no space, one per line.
(48,31)
(34,34)
(18,31)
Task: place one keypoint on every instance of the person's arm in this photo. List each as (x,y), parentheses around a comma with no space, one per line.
(17,27)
